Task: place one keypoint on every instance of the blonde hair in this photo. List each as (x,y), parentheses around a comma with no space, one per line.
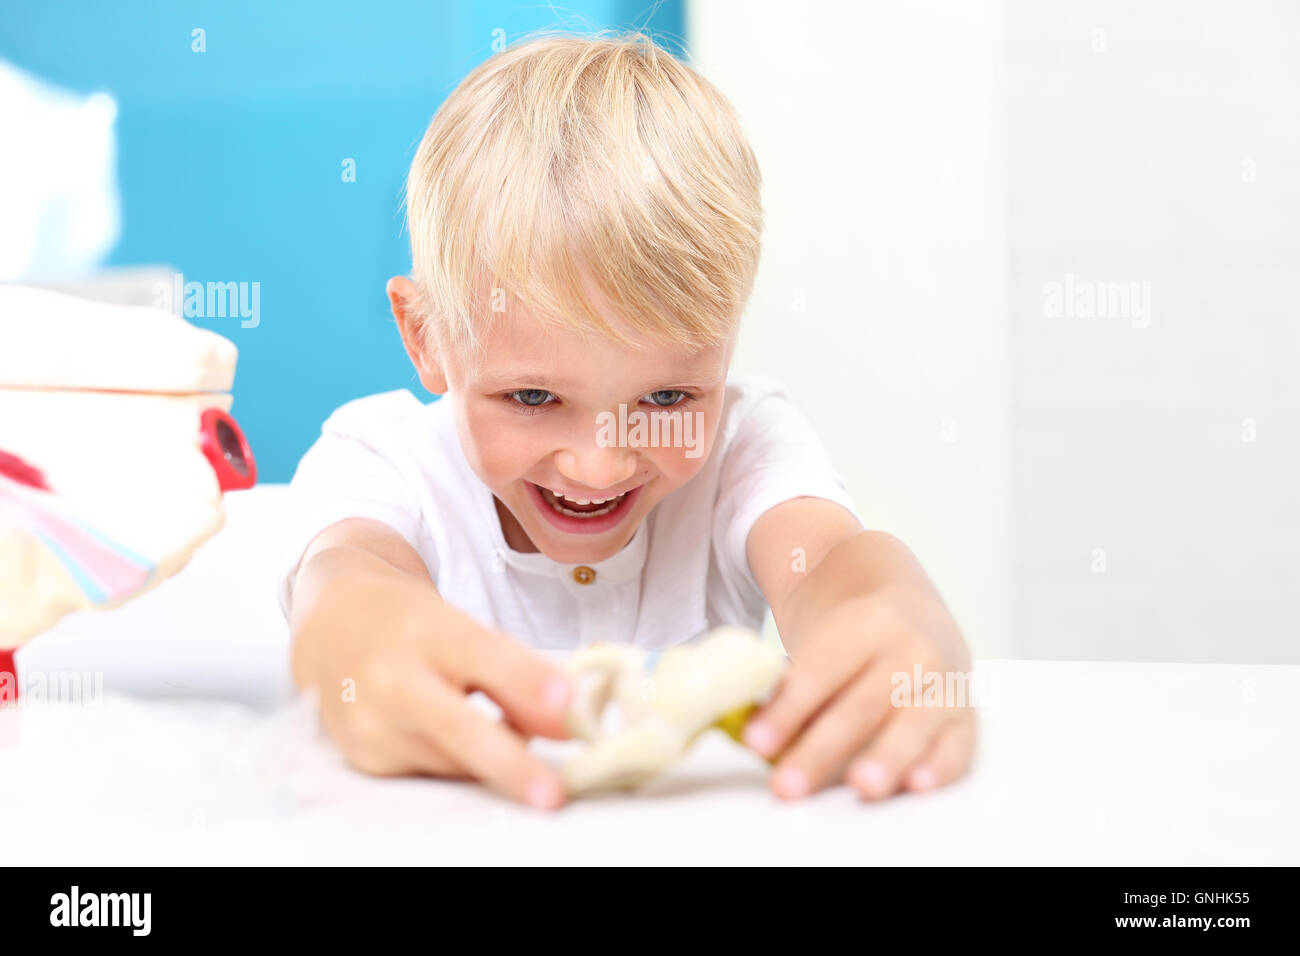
(599,154)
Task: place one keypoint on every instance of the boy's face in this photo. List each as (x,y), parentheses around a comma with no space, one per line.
(539,418)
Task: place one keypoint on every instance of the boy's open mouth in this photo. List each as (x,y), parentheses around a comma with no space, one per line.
(582,515)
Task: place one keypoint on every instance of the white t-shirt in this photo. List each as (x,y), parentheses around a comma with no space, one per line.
(390,458)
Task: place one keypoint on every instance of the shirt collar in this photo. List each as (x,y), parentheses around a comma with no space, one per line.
(624,565)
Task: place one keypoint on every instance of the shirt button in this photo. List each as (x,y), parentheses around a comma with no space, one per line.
(583,574)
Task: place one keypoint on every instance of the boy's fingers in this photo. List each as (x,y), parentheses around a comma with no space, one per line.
(421,755)
(386,751)
(389,739)
(815,678)
(407,747)
(403,754)
(948,757)
(483,746)
(839,730)
(878,770)
(533,695)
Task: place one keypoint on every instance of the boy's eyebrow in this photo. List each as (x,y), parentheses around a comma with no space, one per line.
(526,379)
(514,377)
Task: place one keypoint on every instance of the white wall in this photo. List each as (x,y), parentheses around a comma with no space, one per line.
(1157,143)
(881,299)
(1119,487)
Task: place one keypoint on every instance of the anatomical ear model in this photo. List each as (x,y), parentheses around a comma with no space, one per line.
(115,449)
(714,682)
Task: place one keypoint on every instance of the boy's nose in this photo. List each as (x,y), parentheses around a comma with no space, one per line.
(597,468)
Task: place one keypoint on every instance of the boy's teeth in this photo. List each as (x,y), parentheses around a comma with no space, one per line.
(584,501)
(559,500)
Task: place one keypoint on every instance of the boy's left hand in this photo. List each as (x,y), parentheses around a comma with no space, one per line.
(846,711)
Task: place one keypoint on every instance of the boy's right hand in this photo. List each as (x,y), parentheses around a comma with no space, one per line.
(394,664)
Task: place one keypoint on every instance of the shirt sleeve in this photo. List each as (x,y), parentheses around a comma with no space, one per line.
(358,468)
(772,455)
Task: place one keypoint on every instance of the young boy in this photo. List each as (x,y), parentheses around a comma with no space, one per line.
(585,228)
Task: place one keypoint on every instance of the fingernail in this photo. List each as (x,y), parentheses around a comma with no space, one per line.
(544,794)
(869,775)
(922,778)
(791,782)
(761,736)
(557,693)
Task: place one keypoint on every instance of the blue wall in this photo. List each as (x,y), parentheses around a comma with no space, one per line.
(230,163)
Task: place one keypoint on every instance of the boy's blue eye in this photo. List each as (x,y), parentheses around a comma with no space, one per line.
(532,397)
(666,397)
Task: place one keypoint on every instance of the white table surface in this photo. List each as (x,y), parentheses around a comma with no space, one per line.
(198,751)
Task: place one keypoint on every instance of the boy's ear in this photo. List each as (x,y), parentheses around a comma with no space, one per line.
(404,299)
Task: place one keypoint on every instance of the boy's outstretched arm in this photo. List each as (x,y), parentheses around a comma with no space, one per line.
(393,663)
(854,609)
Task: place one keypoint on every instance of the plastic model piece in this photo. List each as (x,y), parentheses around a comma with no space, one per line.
(714,682)
(115,448)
